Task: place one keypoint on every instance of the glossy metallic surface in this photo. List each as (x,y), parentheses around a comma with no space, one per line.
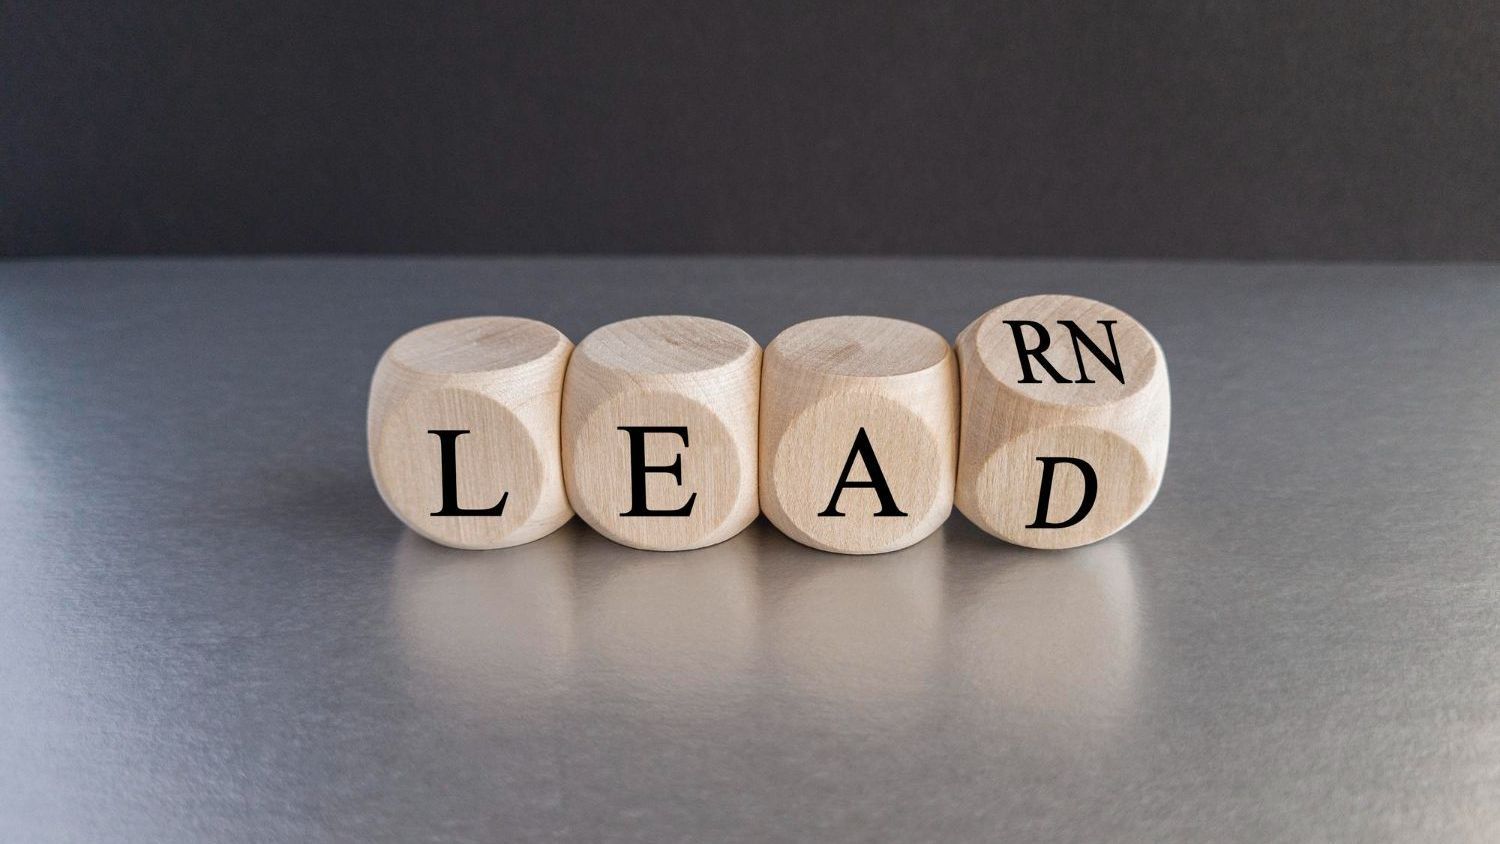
(212,630)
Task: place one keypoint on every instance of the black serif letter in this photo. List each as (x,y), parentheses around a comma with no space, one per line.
(1043,341)
(1111,361)
(864,452)
(448,441)
(1090,491)
(638,470)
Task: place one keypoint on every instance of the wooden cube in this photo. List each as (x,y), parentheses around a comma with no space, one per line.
(659,428)
(859,433)
(1065,418)
(463,431)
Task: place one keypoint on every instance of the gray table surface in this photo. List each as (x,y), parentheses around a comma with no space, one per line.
(212,630)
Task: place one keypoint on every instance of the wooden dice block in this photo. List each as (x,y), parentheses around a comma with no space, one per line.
(463,431)
(859,433)
(1066,412)
(659,426)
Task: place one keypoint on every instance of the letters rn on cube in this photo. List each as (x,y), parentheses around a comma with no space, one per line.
(1065,416)
(1046,426)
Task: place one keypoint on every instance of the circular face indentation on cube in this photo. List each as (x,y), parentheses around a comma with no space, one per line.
(1094,482)
(495,458)
(1066,350)
(667,345)
(895,475)
(862,346)
(475,344)
(689,467)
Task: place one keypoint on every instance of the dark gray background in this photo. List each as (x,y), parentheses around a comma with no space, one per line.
(1219,129)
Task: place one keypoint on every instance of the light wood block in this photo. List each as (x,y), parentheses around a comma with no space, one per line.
(463,431)
(659,428)
(1065,421)
(859,433)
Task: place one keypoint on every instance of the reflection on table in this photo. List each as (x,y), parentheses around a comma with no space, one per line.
(958,620)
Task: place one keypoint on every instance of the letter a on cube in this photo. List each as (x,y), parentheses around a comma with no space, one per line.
(859,433)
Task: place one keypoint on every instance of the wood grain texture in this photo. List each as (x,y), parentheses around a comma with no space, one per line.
(858,399)
(500,380)
(1064,401)
(697,376)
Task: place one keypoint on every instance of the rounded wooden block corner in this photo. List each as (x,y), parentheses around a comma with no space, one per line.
(660,420)
(859,433)
(1065,421)
(463,431)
